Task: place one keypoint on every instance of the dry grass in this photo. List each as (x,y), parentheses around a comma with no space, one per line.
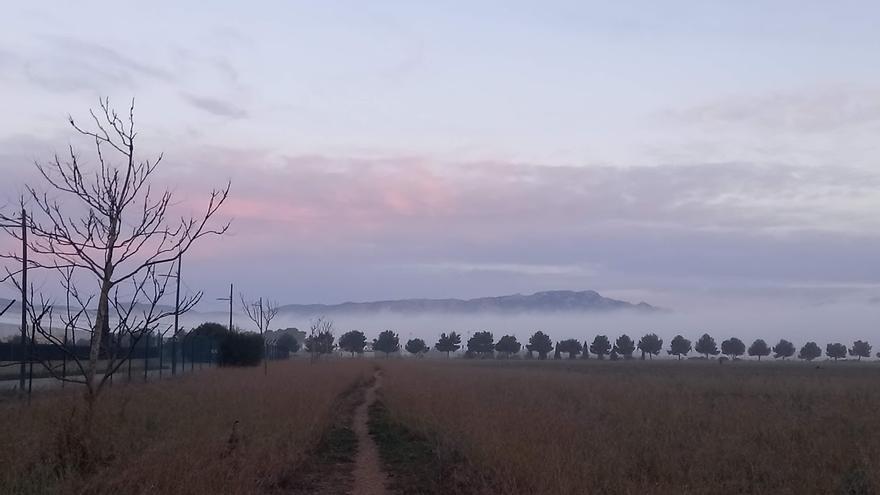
(177,436)
(639,427)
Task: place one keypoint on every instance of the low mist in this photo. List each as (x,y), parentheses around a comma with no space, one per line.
(843,322)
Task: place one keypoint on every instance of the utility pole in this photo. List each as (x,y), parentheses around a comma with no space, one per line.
(265,345)
(230,305)
(24,336)
(176,321)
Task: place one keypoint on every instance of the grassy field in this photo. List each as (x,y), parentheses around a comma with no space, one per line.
(643,427)
(464,427)
(219,431)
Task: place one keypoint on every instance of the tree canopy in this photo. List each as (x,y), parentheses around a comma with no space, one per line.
(240,349)
(508,345)
(448,343)
(650,344)
(481,344)
(387,342)
(759,348)
(322,342)
(783,349)
(540,342)
(809,351)
(835,351)
(353,341)
(287,343)
(572,347)
(733,348)
(416,347)
(706,346)
(679,347)
(601,346)
(209,329)
(860,349)
(624,346)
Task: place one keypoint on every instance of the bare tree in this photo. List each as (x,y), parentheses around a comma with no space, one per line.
(135,313)
(4,310)
(262,315)
(113,230)
(320,339)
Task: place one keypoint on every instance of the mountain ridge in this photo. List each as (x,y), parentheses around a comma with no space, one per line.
(544,301)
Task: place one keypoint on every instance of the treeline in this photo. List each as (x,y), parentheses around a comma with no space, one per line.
(238,348)
(541,346)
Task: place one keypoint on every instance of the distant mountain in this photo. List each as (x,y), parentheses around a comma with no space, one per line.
(548,301)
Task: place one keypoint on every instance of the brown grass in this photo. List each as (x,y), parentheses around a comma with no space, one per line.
(177,436)
(640,427)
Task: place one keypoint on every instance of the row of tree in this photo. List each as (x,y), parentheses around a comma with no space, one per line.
(540,345)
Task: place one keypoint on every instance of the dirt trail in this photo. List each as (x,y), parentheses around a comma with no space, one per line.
(369,478)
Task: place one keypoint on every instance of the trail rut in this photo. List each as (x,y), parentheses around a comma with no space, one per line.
(369,478)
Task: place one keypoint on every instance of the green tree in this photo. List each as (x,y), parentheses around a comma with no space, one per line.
(625,346)
(601,346)
(448,343)
(481,344)
(322,342)
(353,341)
(387,342)
(508,345)
(557,352)
(570,346)
(733,348)
(860,349)
(706,346)
(759,348)
(783,349)
(651,345)
(210,330)
(287,344)
(416,347)
(540,342)
(835,351)
(240,349)
(810,351)
(679,347)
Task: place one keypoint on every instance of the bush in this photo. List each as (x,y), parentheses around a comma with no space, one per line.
(241,349)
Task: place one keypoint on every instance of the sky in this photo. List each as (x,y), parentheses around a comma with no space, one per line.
(685,153)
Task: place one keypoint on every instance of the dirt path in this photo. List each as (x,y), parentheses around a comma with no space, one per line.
(369,479)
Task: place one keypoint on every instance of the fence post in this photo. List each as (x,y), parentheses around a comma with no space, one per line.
(146,356)
(64,359)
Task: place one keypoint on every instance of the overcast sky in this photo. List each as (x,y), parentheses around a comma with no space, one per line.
(666,151)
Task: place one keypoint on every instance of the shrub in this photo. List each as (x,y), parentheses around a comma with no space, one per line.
(241,349)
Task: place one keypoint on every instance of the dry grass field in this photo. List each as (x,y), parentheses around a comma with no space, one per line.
(641,427)
(177,436)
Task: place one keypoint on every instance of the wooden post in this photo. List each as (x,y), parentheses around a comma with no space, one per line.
(161,355)
(146,356)
(64,359)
